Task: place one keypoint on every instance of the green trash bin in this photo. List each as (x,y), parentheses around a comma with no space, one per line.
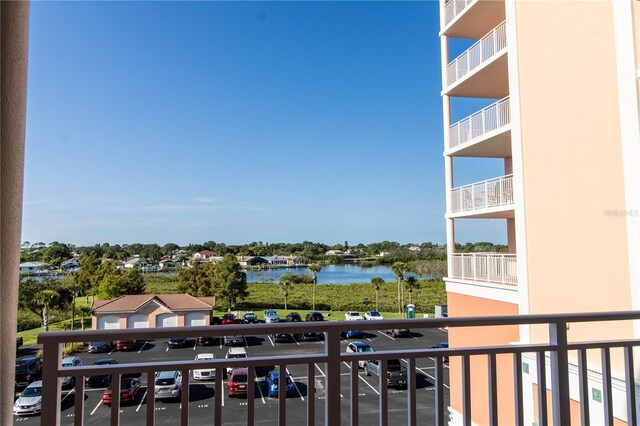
(411,311)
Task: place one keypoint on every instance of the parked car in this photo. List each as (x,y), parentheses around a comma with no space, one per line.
(294,317)
(206,340)
(352,316)
(205,373)
(250,318)
(281,337)
(441,345)
(398,332)
(228,319)
(272,381)
(28,370)
(97,347)
(373,315)
(233,353)
(314,316)
(129,388)
(357,347)
(177,342)
(352,334)
(396,372)
(237,382)
(271,315)
(100,379)
(71,361)
(233,340)
(30,400)
(168,385)
(125,345)
(19,342)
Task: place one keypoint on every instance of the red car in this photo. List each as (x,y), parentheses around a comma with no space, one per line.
(125,345)
(129,388)
(228,319)
(238,382)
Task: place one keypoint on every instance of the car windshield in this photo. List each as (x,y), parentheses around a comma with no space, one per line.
(32,391)
(165,382)
(23,361)
(104,362)
(240,378)
(365,349)
(67,364)
(374,314)
(237,356)
(97,343)
(270,313)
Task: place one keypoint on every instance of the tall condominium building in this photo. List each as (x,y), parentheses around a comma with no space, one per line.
(560,79)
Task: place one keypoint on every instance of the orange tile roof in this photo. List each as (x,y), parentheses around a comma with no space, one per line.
(174,302)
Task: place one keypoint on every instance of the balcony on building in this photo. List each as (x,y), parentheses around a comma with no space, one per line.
(471,18)
(481,71)
(486,133)
(491,268)
(491,199)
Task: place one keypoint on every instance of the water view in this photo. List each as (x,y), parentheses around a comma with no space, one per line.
(331,274)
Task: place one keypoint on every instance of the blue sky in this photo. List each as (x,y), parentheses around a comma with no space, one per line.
(239,122)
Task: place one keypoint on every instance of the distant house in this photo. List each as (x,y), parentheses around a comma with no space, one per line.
(137,262)
(415,249)
(292,260)
(204,255)
(169,263)
(275,260)
(70,265)
(250,260)
(34,267)
(345,256)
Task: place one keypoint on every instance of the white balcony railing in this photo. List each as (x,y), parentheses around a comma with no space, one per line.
(481,52)
(483,195)
(487,267)
(488,119)
(453,8)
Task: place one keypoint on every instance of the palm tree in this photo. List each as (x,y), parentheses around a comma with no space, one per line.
(83,312)
(285,285)
(45,299)
(377,283)
(411,283)
(399,269)
(314,268)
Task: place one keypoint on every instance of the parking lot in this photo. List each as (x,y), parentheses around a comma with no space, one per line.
(201,401)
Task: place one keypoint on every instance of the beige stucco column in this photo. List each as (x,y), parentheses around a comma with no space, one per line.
(14,35)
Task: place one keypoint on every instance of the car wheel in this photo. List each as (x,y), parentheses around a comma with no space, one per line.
(366,371)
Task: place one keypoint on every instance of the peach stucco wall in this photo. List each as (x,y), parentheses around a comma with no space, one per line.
(461,305)
(571,153)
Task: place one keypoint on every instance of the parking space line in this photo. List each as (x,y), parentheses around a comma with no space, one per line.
(369,384)
(142,399)
(143,345)
(95,409)
(320,370)
(385,335)
(221,339)
(295,340)
(294,384)
(195,343)
(348,366)
(271,341)
(68,393)
(167,350)
(430,376)
(113,349)
(368,338)
(255,379)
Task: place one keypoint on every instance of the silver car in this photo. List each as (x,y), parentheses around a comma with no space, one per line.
(168,385)
(30,401)
(271,315)
(70,361)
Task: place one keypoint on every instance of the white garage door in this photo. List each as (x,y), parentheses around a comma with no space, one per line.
(167,320)
(109,322)
(138,321)
(195,318)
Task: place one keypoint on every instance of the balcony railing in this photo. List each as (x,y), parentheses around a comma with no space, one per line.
(483,195)
(485,49)
(486,267)
(453,8)
(491,118)
(557,378)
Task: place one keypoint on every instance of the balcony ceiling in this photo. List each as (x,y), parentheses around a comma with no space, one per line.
(501,212)
(496,145)
(489,81)
(477,20)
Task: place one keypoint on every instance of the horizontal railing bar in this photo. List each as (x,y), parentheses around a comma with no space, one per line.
(476,44)
(479,112)
(603,344)
(261,329)
(482,182)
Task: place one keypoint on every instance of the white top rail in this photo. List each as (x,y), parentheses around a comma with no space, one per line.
(499,268)
(481,52)
(488,119)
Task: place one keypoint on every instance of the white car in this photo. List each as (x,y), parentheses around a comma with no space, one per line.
(30,401)
(70,361)
(207,373)
(355,347)
(373,315)
(235,353)
(352,316)
(271,315)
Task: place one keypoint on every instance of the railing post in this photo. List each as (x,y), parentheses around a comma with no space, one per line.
(486,194)
(560,373)
(51,387)
(332,401)
(504,267)
(474,260)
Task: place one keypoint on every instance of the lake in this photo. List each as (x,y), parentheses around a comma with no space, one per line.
(331,274)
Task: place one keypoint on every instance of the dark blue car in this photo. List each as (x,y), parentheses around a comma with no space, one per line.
(352,334)
(272,384)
